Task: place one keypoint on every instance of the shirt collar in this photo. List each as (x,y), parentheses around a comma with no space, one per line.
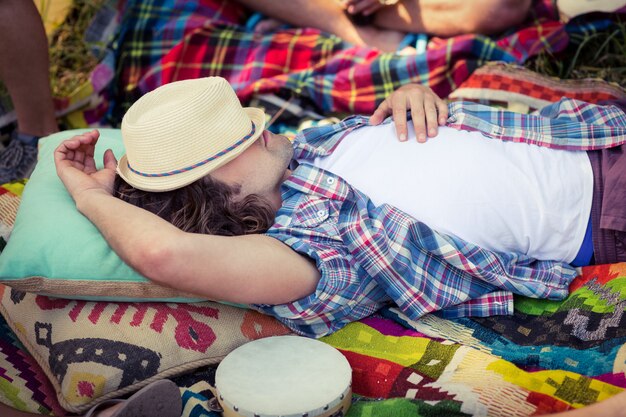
(315,181)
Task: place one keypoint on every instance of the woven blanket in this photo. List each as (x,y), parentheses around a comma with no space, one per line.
(23,383)
(161,41)
(549,356)
(523,90)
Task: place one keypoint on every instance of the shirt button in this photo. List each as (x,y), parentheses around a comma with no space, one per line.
(330,181)
(321,213)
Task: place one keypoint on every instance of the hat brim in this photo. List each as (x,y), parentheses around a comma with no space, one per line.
(178,180)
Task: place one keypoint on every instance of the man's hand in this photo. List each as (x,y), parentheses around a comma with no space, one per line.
(428,111)
(76,166)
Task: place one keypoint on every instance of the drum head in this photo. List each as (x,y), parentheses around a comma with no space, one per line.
(283,376)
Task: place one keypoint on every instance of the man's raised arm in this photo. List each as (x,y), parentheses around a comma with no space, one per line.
(241,269)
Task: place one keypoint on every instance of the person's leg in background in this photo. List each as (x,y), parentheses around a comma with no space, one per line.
(390,23)
(328,16)
(453,17)
(24,70)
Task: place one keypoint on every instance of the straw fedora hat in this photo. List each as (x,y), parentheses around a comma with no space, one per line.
(182,131)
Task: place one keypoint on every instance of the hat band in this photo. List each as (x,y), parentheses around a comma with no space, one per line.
(196,165)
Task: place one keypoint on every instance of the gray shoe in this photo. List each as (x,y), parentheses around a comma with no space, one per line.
(18,159)
(157,399)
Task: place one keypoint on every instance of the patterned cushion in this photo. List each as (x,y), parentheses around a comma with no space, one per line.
(23,383)
(93,351)
(45,368)
(49,232)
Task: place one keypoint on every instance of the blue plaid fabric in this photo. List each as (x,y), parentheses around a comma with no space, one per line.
(370,256)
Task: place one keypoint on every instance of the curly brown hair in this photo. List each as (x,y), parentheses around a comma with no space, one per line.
(205,206)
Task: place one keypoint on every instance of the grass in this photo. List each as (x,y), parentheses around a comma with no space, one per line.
(594,55)
(71,62)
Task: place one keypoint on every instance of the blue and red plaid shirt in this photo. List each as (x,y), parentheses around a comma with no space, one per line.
(370,256)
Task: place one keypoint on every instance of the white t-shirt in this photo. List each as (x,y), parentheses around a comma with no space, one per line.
(502,196)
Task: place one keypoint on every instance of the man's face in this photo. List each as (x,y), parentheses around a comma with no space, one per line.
(261,168)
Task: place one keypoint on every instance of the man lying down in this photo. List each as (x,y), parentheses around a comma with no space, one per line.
(350,217)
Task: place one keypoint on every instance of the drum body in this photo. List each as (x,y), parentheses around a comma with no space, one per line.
(284,376)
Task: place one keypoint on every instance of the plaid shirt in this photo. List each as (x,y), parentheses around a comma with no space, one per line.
(370,256)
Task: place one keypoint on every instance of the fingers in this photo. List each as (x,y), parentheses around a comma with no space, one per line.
(85,139)
(383,110)
(110,162)
(428,112)
(372,9)
(77,149)
(366,7)
(442,110)
(399,108)
(418,116)
(65,150)
(430,109)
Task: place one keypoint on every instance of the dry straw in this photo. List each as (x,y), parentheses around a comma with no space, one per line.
(71,61)
(596,54)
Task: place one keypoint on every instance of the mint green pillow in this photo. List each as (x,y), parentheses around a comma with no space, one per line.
(56,251)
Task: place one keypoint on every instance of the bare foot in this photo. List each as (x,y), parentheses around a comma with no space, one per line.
(383,39)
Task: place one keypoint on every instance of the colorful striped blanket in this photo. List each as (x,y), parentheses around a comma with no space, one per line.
(549,356)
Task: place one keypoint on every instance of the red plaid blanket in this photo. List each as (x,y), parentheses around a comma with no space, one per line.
(167,40)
